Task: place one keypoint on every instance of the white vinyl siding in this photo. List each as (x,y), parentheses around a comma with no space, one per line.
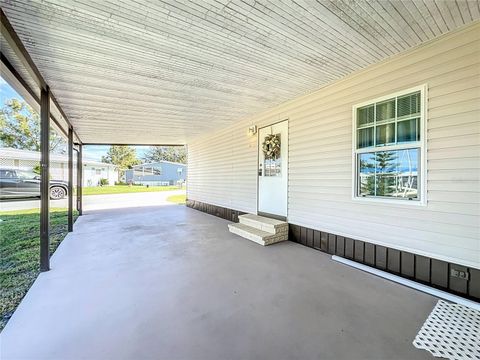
(222,166)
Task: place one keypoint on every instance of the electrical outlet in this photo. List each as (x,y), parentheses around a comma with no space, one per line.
(461,274)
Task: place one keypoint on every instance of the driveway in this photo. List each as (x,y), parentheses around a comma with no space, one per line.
(98,202)
(170,282)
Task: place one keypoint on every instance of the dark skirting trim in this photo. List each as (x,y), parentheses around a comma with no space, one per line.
(453,278)
(224,213)
(436,273)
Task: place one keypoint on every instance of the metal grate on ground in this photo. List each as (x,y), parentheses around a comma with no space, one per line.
(451,331)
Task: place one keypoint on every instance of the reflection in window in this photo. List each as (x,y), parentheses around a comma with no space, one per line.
(27,175)
(367,174)
(389,174)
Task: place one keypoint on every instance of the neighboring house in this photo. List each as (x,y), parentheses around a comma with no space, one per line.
(93,171)
(157,173)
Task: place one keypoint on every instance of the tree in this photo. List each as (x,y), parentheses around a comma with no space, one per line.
(386,178)
(368,180)
(122,156)
(20,128)
(382,176)
(166,153)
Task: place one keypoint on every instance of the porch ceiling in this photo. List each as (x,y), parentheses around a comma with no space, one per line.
(149,72)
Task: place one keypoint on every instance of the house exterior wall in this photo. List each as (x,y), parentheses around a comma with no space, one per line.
(169,174)
(223,165)
(93,173)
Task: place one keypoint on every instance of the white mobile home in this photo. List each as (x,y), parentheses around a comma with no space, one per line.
(93,170)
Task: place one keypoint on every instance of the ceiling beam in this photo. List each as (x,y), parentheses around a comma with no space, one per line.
(17,46)
(9,34)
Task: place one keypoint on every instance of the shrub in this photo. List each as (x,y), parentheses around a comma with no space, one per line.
(103,182)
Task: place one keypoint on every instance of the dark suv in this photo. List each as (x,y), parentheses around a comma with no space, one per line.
(17,184)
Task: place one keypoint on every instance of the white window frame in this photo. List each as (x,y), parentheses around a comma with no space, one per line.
(422,145)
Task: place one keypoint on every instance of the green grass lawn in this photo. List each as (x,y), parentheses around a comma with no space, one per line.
(178,199)
(20,244)
(122,189)
(20,253)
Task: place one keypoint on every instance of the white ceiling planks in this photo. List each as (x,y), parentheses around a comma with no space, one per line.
(140,71)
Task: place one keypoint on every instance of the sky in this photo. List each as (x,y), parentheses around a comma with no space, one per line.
(6,91)
(95,152)
(92,152)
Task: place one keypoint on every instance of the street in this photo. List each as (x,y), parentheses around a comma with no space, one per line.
(100,202)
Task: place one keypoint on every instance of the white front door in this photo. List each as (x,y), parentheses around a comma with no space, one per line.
(273,169)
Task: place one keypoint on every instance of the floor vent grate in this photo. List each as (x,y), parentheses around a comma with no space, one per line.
(451,331)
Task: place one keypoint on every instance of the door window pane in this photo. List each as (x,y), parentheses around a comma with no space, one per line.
(365,115)
(408,130)
(385,134)
(365,137)
(273,167)
(271,148)
(386,110)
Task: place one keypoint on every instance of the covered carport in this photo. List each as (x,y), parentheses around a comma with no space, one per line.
(159,73)
(172,282)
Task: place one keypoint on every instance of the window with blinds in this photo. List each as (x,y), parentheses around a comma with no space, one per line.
(388,147)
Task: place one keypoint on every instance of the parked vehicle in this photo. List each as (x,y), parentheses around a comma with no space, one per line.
(18,184)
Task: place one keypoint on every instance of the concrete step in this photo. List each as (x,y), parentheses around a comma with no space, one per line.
(272,226)
(257,235)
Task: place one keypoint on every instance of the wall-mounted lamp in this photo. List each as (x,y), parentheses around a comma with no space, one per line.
(252,130)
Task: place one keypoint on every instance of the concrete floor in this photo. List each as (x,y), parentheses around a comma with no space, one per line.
(172,283)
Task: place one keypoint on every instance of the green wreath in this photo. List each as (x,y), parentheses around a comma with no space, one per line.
(271,146)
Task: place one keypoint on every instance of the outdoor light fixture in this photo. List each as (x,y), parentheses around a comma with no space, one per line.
(252,130)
